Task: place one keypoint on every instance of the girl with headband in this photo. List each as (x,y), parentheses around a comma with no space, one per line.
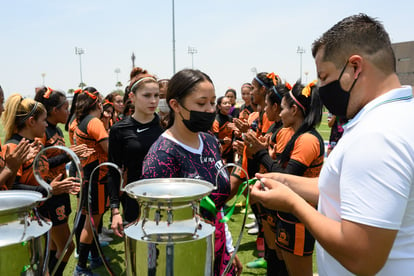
(10,161)
(129,142)
(91,131)
(58,206)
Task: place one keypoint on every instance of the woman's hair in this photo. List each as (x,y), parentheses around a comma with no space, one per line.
(308,101)
(181,85)
(264,79)
(163,82)
(87,101)
(138,78)
(277,92)
(17,111)
(111,96)
(107,105)
(72,108)
(129,108)
(219,100)
(50,98)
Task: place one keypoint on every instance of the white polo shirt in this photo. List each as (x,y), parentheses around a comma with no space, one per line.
(369,178)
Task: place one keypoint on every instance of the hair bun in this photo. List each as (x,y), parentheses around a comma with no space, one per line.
(137,71)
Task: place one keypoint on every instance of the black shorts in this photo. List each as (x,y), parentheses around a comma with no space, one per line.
(293,237)
(57,209)
(99,194)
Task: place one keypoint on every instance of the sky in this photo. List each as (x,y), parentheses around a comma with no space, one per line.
(233,39)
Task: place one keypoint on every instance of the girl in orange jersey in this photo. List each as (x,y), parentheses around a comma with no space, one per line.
(223,129)
(10,162)
(57,207)
(247,108)
(26,119)
(299,151)
(91,131)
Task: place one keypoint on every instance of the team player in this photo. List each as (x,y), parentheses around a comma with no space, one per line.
(223,129)
(10,161)
(91,131)
(299,151)
(58,207)
(246,109)
(129,142)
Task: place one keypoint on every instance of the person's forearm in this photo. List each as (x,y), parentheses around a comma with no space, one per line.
(351,244)
(7,177)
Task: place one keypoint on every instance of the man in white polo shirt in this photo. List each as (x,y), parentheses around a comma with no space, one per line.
(365,192)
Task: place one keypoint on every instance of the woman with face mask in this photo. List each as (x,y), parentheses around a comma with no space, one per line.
(129,142)
(185,150)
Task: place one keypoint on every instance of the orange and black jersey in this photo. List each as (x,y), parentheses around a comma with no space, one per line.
(57,159)
(91,131)
(222,130)
(129,142)
(25,179)
(245,111)
(306,158)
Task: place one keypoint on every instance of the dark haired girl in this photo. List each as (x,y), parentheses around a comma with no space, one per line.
(223,129)
(58,206)
(91,131)
(186,150)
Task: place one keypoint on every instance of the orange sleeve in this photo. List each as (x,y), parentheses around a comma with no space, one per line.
(42,140)
(306,149)
(266,123)
(253,116)
(215,128)
(96,130)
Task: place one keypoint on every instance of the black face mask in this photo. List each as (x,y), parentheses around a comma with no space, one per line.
(334,97)
(199,121)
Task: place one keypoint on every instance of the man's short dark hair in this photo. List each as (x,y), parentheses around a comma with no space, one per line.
(361,35)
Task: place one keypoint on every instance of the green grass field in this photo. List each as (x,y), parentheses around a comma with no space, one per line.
(115,251)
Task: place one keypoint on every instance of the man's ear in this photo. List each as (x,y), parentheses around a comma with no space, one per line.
(357,62)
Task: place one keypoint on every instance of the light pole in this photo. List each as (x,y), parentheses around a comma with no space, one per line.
(133,60)
(118,83)
(300,51)
(43,78)
(173,36)
(192,51)
(80,52)
(306,77)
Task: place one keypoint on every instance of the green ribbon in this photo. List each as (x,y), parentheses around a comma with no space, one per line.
(210,206)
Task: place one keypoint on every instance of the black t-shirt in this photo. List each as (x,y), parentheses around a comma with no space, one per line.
(129,142)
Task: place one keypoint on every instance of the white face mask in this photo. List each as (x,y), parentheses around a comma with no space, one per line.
(163,106)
